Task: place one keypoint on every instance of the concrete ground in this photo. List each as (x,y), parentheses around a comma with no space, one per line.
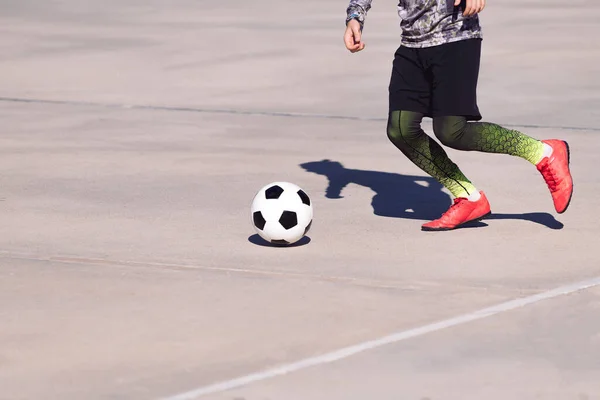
(134,136)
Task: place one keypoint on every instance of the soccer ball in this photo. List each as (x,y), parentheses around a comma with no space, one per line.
(281,213)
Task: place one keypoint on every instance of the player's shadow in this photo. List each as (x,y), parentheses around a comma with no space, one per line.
(404,196)
(396,196)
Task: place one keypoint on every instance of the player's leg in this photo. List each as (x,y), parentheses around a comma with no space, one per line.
(404,131)
(410,95)
(551,157)
(458,133)
(455,68)
(409,102)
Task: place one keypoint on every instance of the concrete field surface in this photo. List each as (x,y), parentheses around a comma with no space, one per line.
(135,135)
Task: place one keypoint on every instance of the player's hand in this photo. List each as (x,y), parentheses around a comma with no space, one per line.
(353,37)
(473,7)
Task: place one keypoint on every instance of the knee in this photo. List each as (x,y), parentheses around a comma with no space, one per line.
(402,130)
(449,130)
(394,133)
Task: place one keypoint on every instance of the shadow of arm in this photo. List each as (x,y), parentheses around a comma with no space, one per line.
(335,187)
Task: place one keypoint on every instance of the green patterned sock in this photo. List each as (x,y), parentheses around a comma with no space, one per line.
(486,137)
(404,130)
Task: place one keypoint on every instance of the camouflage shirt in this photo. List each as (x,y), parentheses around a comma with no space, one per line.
(425,23)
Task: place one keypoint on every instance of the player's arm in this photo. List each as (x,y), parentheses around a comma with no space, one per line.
(472,7)
(356,14)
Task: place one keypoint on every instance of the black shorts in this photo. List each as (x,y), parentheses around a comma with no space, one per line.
(437,81)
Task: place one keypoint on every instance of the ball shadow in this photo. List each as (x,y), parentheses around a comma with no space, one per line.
(257,240)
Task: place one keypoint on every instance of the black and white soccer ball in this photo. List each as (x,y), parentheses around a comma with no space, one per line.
(282,213)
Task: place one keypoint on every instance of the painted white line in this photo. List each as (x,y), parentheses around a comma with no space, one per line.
(394,338)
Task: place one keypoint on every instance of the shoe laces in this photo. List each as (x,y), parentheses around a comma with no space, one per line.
(549,176)
(458,202)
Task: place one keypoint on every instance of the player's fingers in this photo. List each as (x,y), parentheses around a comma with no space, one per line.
(347,36)
(468,8)
(473,7)
(357,34)
(358,48)
(457,3)
(482,5)
(349,40)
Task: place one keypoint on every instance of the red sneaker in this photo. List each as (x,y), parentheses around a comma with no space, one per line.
(461,212)
(556,173)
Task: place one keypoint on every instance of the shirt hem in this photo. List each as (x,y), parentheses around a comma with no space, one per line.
(438,40)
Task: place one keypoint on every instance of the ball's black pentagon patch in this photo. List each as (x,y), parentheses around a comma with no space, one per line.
(304,197)
(273,192)
(288,219)
(308,227)
(259,220)
(280,242)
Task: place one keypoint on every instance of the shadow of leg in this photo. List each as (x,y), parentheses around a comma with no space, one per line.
(545,219)
(396,195)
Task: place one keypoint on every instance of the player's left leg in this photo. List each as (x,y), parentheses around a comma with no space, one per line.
(455,69)
(551,157)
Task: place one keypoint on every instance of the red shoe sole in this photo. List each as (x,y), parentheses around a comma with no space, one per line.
(572,185)
(426,229)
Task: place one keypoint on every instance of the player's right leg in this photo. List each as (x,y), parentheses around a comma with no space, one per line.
(409,102)
(404,131)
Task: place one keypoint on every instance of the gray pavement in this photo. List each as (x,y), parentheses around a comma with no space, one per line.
(135,134)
